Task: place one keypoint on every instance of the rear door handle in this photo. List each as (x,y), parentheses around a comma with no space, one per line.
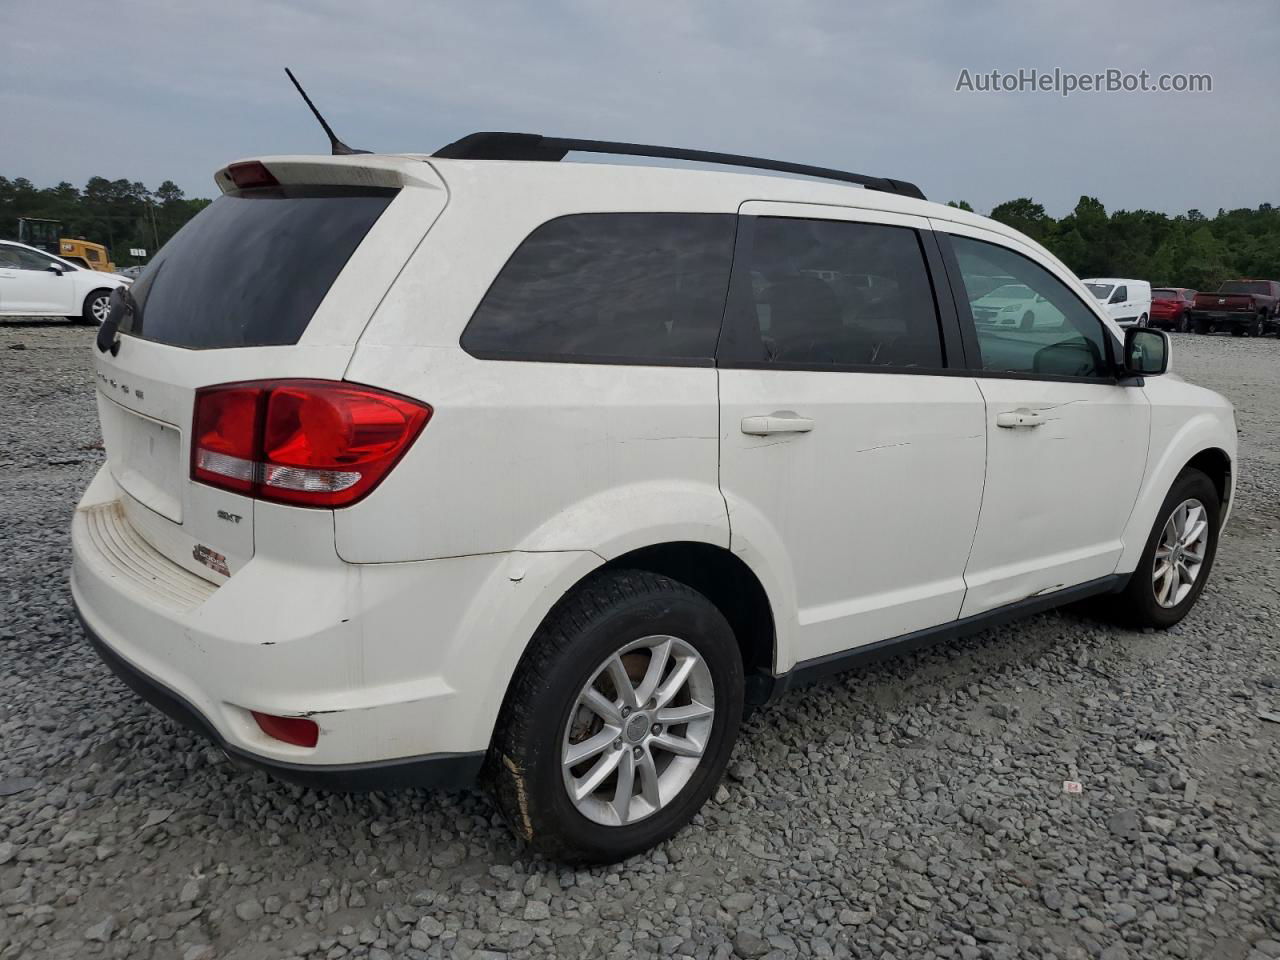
(780,421)
(1019,418)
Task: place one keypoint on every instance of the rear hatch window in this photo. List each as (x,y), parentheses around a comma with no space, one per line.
(251,268)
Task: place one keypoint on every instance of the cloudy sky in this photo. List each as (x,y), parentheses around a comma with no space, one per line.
(150,90)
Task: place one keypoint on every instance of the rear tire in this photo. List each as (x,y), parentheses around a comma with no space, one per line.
(1140,604)
(614,616)
(1142,320)
(1184,325)
(96,306)
(1259,326)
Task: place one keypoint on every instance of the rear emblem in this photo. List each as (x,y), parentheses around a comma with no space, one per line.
(229,517)
(211,559)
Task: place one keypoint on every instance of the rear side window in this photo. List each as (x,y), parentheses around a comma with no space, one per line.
(830,293)
(610,288)
(250,269)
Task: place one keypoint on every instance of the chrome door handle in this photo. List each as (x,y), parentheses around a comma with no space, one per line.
(780,421)
(1019,418)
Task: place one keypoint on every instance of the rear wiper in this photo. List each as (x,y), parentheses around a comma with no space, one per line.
(120,304)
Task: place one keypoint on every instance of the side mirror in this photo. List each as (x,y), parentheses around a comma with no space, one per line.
(1146,352)
(55,268)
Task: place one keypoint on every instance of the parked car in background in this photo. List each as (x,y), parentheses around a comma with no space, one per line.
(1171,308)
(1015,305)
(420,469)
(37,284)
(1241,306)
(1127,301)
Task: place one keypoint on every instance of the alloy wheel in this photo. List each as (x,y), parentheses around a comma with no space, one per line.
(99,308)
(638,730)
(1181,553)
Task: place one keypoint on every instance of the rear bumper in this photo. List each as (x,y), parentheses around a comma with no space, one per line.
(443,771)
(400,665)
(1225,317)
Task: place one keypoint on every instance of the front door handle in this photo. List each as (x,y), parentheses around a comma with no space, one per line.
(780,421)
(1019,418)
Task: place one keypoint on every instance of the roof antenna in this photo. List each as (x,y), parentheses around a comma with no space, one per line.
(336,146)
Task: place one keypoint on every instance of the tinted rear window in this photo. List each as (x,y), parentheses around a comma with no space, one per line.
(250,269)
(1161,293)
(610,288)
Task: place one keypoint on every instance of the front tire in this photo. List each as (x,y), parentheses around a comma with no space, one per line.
(96,307)
(1179,555)
(1142,320)
(620,720)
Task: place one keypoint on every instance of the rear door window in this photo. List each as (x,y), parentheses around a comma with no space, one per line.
(251,268)
(610,288)
(836,294)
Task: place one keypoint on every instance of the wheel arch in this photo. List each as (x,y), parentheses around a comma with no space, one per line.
(731,585)
(1199,444)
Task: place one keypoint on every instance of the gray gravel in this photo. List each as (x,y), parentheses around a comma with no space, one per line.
(915,809)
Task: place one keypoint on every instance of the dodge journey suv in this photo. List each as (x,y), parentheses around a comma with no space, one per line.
(423,470)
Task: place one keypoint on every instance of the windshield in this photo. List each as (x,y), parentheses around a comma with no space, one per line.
(250,269)
(1244,286)
(1100,290)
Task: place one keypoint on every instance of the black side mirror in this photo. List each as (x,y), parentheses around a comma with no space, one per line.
(1146,352)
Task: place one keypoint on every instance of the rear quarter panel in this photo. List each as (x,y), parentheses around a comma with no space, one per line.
(530,456)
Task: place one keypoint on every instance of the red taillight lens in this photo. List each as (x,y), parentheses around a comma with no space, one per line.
(315,443)
(299,731)
(251,174)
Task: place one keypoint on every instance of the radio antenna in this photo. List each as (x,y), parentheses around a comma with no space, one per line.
(336,146)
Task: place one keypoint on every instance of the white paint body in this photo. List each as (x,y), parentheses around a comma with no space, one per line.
(29,288)
(398,622)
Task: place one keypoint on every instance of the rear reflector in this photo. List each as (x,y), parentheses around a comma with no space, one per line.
(298,731)
(251,173)
(314,443)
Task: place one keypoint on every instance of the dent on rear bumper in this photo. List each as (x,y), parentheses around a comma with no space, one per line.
(392,661)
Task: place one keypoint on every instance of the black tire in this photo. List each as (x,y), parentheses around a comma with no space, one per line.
(1259,328)
(1184,325)
(599,617)
(1028,321)
(91,302)
(1137,605)
(1142,320)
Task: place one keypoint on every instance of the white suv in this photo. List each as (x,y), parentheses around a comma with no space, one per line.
(421,468)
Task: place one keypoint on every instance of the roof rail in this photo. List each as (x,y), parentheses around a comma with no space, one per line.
(534,146)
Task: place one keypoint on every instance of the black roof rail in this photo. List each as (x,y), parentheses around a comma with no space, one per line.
(534,146)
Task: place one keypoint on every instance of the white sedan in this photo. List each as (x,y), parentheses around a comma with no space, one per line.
(35,284)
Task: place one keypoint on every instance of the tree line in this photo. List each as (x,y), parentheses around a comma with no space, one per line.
(1186,250)
(120,214)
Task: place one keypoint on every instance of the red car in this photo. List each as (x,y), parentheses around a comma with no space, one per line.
(1171,308)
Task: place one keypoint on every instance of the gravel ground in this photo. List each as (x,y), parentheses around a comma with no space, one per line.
(915,809)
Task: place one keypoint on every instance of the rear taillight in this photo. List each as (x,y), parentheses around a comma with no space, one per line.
(313,443)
